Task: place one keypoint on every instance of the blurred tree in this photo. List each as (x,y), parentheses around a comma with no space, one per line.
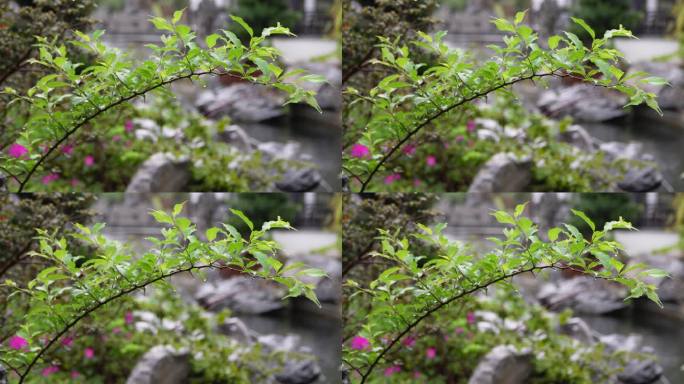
(604,207)
(390,18)
(263,14)
(19,26)
(603,15)
(20,215)
(262,207)
(364,214)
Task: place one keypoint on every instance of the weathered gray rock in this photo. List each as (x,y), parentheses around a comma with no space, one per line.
(242,294)
(615,150)
(583,102)
(583,295)
(579,330)
(279,343)
(503,365)
(162,364)
(644,179)
(503,173)
(238,138)
(641,372)
(329,290)
(621,343)
(162,172)
(3,374)
(237,330)
(642,175)
(242,102)
(578,137)
(345,375)
(299,372)
(280,151)
(300,180)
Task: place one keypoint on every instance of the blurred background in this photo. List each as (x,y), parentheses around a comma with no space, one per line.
(606,318)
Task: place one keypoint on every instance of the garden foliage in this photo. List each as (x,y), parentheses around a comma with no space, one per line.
(75,286)
(403,108)
(414,288)
(75,95)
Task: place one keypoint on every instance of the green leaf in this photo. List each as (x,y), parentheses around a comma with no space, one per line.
(211,40)
(177,16)
(211,233)
(584,217)
(178,208)
(519,209)
(504,217)
(520,16)
(553,41)
(243,24)
(504,25)
(653,80)
(584,25)
(553,233)
(658,273)
(243,218)
(313,272)
(162,217)
(161,24)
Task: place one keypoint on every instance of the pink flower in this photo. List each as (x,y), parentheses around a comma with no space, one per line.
(417,375)
(17,342)
(49,178)
(392,178)
(116,330)
(75,374)
(360,151)
(470,318)
(89,353)
(471,126)
(417,182)
(360,343)
(89,161)
(389,371)
(431,161)
(47,371)
(17,150)
(128,126)
(431,353)
(74,182)
(128,317)
(409,149)
(409,341)
(116,138)
(68,341)
(460,139)
(459,330)
(68,149)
